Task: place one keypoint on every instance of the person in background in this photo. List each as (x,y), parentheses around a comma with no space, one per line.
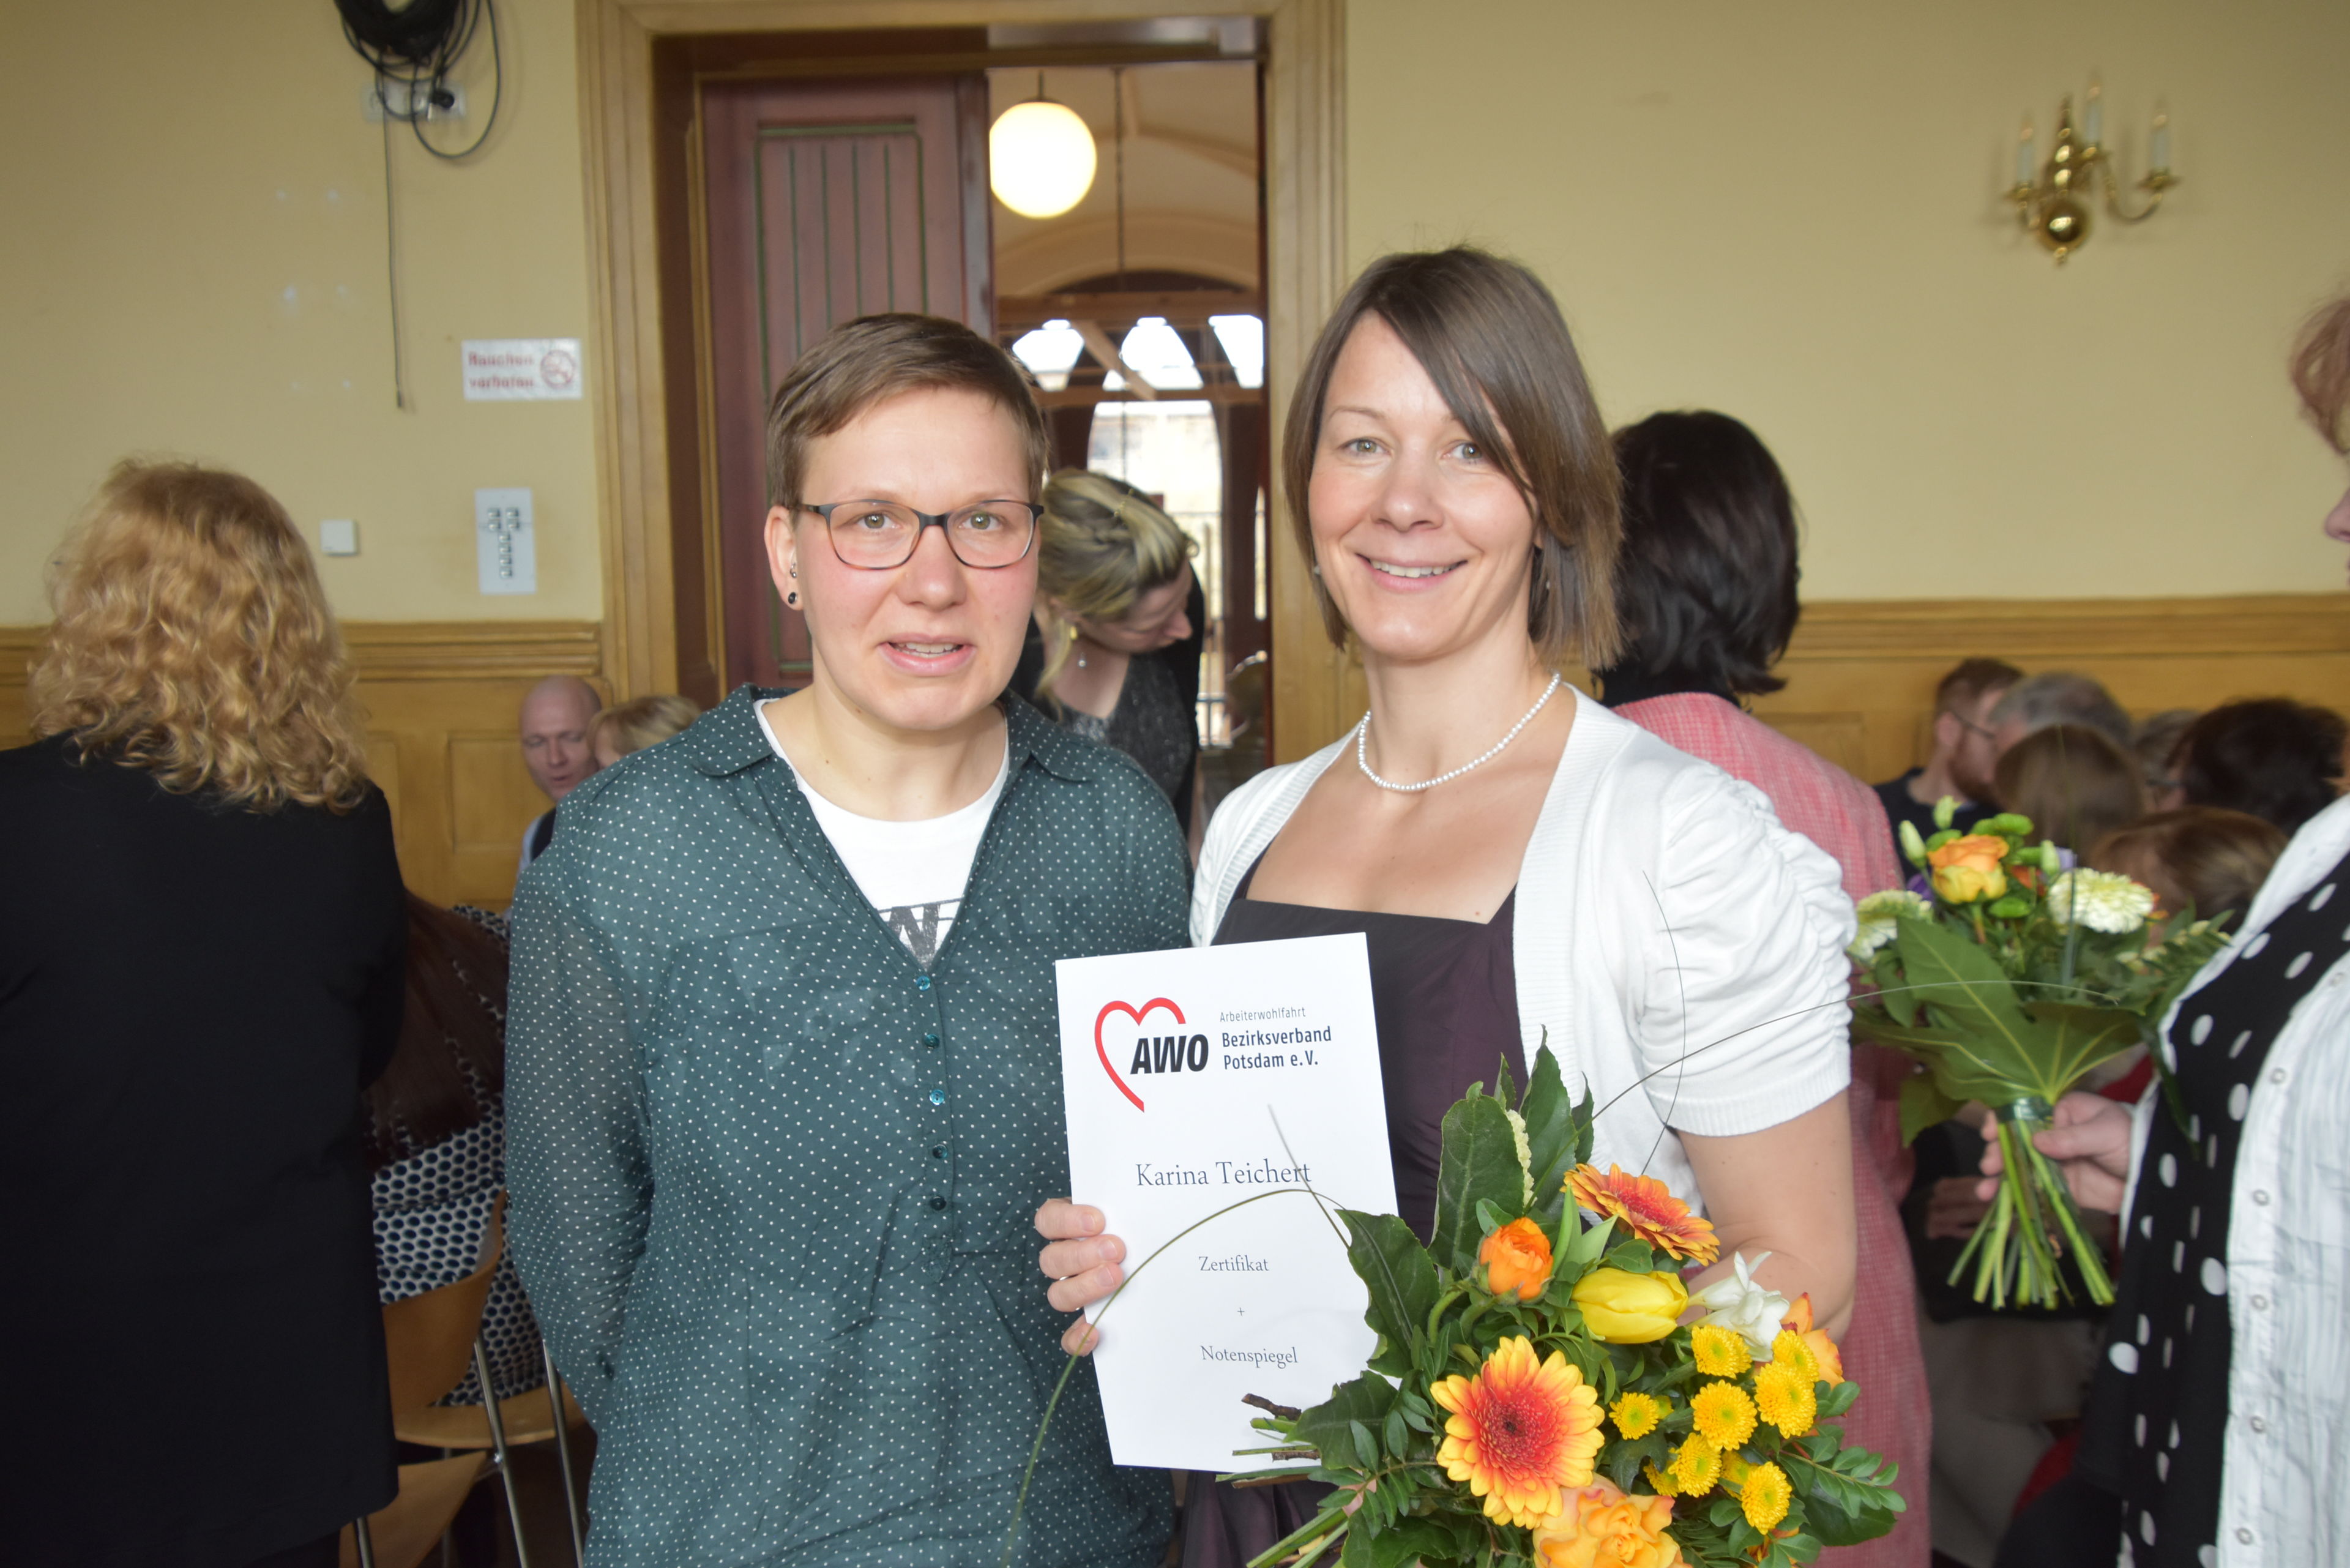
(2058,697)
(2073,783)
(436,1135)
(642,721)
(555,719)
(2214,1430)
(1964,754)
(1521,862)
(2154,743)
(201,958)
(784,1068)
(1120,619)
(2277,759)
(2201,857)
(1706,594)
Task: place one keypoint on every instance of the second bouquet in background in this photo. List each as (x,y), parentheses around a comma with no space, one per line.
(2010,978)
(1535,1397)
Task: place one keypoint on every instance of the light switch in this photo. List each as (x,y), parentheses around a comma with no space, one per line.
(339,537)
(504,543)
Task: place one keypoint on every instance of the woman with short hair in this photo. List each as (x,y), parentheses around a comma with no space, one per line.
(2073,782)
(628,728)
(200,962)
(1120,619)
(1523,864)
(783,1072)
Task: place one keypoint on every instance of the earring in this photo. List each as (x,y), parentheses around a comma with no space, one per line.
(793,599)
(793,570)
(1315,569)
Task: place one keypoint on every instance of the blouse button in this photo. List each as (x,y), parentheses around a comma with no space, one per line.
(937,1096)
(2261,1196)
(2256,1424)
(2259,1303)
(929,1040)
(938,1203)
(922,982)
(939,1152)
(2276,1075)
(2243,1535)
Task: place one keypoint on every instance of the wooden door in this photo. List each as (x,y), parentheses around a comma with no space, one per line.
(821,202)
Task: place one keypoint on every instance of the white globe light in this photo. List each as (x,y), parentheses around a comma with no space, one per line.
(1040,159)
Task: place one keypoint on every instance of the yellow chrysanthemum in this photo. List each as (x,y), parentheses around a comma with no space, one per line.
(1720,1352)
(1658,1481)
(1724,1415)
(1789,1347)
(1696,1466)
(1636,1413)
(1766,1496)
(1519,1432)
(1646,1209)
(1783,1396)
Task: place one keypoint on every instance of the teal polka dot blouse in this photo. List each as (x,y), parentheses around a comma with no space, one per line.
(773,1182)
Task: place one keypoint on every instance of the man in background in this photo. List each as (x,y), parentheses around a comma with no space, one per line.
(2058,697)
(1964,749)
(554,747)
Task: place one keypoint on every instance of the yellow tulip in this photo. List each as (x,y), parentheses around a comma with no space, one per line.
(1630,1309)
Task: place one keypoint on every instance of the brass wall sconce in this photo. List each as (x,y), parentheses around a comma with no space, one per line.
(2052,202)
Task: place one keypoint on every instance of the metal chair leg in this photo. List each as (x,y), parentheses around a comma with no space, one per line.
(366,1539)
(563,1456)
(498,1447)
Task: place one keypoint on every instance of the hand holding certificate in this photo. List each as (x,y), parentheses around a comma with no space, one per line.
(1197,1080)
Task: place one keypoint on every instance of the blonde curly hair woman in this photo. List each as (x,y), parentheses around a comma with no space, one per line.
(1120,617)
(201,968)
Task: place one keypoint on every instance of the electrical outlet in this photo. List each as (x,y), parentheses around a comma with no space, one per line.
(405,99)
(339,537)
(504,543)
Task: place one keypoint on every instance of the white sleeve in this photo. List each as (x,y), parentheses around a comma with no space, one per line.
(1739,995)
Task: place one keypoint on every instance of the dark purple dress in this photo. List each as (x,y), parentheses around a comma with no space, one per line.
(1445,995)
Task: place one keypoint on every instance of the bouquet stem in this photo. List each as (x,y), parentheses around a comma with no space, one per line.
(2016,1248)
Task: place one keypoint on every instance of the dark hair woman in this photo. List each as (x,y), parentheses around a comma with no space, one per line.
(201,953)
(436,1135)
(1520,860)
(2278,760)
(1705,590)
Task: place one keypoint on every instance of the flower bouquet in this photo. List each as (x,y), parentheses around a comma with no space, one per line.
(1534,1397)
(2009,978)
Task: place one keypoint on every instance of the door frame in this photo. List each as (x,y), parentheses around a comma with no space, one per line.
(1305,270)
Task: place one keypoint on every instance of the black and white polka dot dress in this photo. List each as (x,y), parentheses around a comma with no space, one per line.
(2159,1414)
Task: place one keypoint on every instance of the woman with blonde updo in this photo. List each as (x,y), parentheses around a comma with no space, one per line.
(1120,620)
(628,727)
(201,962)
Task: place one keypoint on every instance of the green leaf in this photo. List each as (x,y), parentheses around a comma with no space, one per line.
(1505,1090)
(1327,1426)
(1479,1159)
(1409,1540)
(1490,1216)
(1396,1271)
(1633,1258)
(1397,1435)
(1367,1448)
(1923,1105)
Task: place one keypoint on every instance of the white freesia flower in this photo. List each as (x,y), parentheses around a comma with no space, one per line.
(1525,1152)
(1739,1303)
(2102,900)
(1880,920)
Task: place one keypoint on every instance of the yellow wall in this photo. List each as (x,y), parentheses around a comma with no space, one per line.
(192,262)
(1790,211)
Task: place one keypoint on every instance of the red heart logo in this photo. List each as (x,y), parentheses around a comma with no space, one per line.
(1103,1017)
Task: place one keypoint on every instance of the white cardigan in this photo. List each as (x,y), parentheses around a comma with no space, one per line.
(1667,927)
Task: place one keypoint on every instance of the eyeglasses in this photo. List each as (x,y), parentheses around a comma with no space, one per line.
(875,536)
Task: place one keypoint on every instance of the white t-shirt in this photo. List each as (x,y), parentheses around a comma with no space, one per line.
(912,873)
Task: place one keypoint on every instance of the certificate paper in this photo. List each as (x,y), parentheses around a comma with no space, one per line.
(1194,1079)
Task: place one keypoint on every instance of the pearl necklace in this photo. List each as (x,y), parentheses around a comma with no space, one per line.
(1363,732)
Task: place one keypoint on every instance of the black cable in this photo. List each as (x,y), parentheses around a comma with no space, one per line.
(392,269)
(417,45)
(497,88)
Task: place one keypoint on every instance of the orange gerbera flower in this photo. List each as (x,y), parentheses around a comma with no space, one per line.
(1646,1208)
(1520,1432)
(1826,1360)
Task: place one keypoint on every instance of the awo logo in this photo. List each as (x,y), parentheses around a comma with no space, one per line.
(1152,1053)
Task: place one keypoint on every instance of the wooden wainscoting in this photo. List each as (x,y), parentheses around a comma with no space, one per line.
(442,699)
(1861,673)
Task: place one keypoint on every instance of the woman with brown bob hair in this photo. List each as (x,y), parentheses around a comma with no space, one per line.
(201,968)
(1522,863)
(2073,783)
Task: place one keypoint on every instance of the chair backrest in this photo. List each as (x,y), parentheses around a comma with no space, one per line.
(429,1339)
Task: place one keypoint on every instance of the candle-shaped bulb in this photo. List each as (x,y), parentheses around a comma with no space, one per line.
(2158,152)
(2092,127)
(2024,155)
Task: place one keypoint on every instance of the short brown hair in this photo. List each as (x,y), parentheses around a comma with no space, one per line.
(1491,339)
(2206,856)
(1970,680)
(193,639)
(859,363)
(2320,373)
(2073,782)
(643,721)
